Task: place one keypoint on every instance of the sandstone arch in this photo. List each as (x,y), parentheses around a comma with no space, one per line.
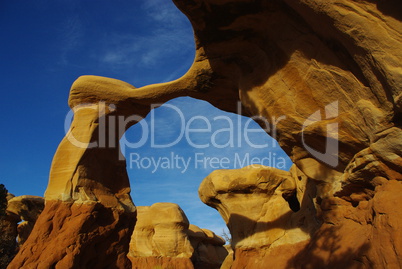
(285,57)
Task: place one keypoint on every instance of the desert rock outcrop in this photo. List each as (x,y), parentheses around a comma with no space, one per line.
(336,232)
(323,76)
(28,208)
(209,249)
(88,206)
(163,237)
(327,76)
(261,207)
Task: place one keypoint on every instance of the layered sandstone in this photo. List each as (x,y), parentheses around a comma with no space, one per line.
(356,231)
(27,208)
(209,248)
(320,71)
(261,207)
(325,74)
(88,206)
(163,237)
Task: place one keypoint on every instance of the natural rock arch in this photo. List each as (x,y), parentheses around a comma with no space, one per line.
(176,154)
(288,57)
(89,177)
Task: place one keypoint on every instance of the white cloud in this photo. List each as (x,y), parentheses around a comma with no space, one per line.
(165,34)
(163,11)
(147,50)
(72,33)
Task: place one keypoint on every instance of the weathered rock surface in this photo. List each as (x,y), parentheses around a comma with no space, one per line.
(338,233)
(161,231)
(163,237)
(88,206)
(325,74)
(209,249)
(363,233)
(292,61)
(261,208)
(28,209)
(74,236)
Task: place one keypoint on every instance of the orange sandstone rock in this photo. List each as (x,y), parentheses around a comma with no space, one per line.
(76,235)
(356,231)
(88,208)
(28,208)
(262,210)
(163,237)
(325,74)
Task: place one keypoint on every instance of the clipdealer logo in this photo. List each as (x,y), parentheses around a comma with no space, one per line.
(113,127)
(111,130)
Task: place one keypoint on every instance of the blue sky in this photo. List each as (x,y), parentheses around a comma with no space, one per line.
(47,44)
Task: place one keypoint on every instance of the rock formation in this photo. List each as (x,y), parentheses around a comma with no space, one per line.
(332,234)
(24,208)
(28,209)
(292,60)
(163,237)
(88,206)
(261,208)
(209,249)
(327,76)
(323,76)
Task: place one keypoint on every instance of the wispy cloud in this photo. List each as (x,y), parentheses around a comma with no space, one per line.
(72,33)
(164,12)
(165,35)
(144,50)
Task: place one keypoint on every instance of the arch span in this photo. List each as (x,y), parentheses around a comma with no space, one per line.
(181,142)
(332,68)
